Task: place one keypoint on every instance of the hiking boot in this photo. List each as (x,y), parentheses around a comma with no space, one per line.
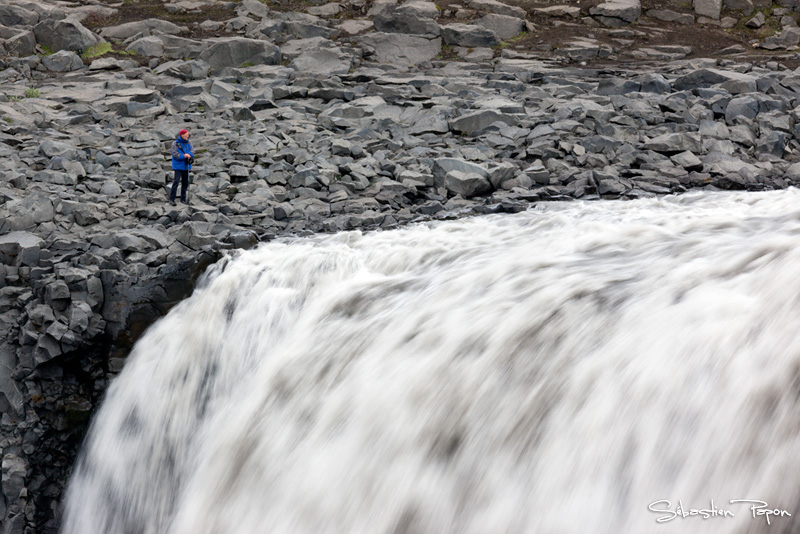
(172,203)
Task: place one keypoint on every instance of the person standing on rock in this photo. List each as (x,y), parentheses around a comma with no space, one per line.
(182,158)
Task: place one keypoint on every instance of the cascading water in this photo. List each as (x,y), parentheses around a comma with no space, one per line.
(564,370)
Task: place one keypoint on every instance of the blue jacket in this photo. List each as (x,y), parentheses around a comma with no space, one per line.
(179,148)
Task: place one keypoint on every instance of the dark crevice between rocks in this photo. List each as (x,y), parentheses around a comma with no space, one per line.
(72,387)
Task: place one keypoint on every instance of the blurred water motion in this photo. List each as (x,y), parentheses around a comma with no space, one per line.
(568,369)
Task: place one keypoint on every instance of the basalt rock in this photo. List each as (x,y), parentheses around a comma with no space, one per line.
(341,136)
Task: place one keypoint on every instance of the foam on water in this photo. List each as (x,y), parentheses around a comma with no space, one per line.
(553,371)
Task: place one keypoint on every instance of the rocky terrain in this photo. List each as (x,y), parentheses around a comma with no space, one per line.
(326,118)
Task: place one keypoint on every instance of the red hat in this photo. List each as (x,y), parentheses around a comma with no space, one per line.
(183,132)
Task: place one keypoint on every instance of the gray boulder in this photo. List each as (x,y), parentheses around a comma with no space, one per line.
(757,21)
(181,48)
(11,15)
(326,61)
(503,26)
(741,108)
(789,37)
(443,166)
(129,29)
(238,51)
(745,6)
(23,44)
(296,47)
(468,35)
(147,46)
(708,8)
(51,148)
(305,30)
(475,122)
(559,11)
(708,78)
(654,83)
(400,20)
(466,184)
(673,143)
(493,6)
(20,248)
(625,10)
(64,35)
(400,49)
(253,7)
(62,61)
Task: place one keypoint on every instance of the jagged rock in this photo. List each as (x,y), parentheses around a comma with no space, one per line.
(63,61)
(443,166)
(745,6)
(708,78)
(236,51)
(616,86)
(147,46)
(405,20)
(473,123)
(499,8)
(741,108)
(468,35)
(12,15)
(624,10)
(675,142)
(185,70)
(757,21)
(503,26)
(325,61)
(20,248)
(559,11)
(64,35)
(654,83)
(331,9)
(306,30)
(21,44)
(688,161)
(125,31)
(253,7)
(354,27)
(788,38)
(583,49)
(708,8)
(465,184)
(296,47)
(400,49)
(181,48)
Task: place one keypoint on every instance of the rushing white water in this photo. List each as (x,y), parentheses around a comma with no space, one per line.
(554,371)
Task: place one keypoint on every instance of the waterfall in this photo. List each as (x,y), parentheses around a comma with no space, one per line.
(567,369)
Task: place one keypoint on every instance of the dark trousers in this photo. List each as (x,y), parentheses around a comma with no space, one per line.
(181,176)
